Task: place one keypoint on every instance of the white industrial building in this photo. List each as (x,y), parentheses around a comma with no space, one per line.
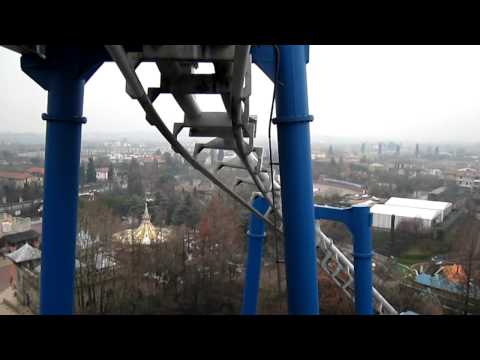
(444,207)
(382,216)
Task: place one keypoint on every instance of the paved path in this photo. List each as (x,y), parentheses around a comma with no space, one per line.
(6,269)
(6,292)
(5,309)
(4,261)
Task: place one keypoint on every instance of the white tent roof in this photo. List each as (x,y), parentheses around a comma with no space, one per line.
(25,253)
(403,211)
(417,203)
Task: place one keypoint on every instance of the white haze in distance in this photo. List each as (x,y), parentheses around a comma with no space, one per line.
(404,93)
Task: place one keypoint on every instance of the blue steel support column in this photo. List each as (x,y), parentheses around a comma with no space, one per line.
(62,161)
(296,179)
(256,235)
(360,226)
(64,75)
(359,222)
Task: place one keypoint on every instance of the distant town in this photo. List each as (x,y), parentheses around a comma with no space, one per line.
(138,200)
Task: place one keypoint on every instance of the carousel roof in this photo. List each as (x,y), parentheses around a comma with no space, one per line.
(146,233)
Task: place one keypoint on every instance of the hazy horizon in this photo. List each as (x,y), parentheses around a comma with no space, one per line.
(155,136)
(425,94)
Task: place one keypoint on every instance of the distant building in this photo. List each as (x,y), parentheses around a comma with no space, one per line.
(435,172)
(376,166)
(444,207)
(385,215)
(27,271)
(14,241)
(36,172)
(101,174)
(26,258)
(10,226)
(194,185)
(15,179)
(319,156)
(467,178)
(445,154)
(397,210)
(33,154)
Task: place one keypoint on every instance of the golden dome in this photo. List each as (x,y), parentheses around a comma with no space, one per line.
(146,233)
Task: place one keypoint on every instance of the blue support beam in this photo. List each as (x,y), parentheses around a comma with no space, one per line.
(359,221)
(264,57)
(360,226)
(63,74)
(333,214)
(293,129)
(256,236)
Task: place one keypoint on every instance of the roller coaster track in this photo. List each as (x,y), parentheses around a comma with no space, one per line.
(232,81)
(137,92)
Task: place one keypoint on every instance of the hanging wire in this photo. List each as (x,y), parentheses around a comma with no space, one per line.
(237,133)
(275,238)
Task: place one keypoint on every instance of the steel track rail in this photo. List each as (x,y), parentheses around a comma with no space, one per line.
(239,67)
(119,56)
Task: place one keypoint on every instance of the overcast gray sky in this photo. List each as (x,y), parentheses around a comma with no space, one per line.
(406,93)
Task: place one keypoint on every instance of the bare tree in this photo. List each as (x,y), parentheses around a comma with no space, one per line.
(467,249)
(95,280)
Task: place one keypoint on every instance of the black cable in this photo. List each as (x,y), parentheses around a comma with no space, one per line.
(233,108)
(275,85)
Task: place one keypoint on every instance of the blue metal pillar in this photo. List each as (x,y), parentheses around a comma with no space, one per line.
(296,179)
(360,226)
(64,74)
(256,235)
(359,221)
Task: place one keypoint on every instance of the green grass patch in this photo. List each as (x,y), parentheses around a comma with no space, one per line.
(409,260)
(414,255)
(415,250)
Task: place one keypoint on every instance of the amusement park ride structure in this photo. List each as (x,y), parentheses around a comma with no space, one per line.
(63,72)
